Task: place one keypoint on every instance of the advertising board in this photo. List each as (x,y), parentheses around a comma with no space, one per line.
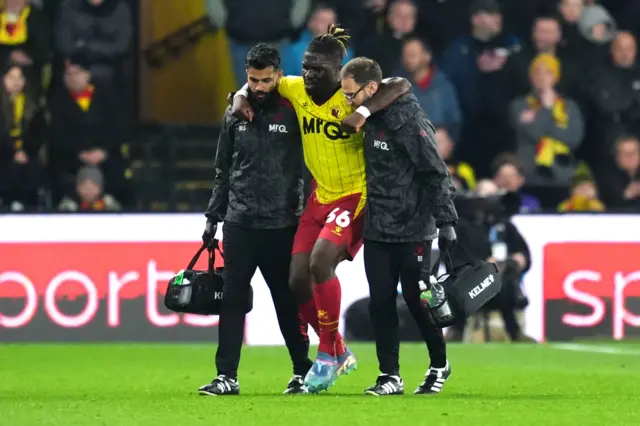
(102,278)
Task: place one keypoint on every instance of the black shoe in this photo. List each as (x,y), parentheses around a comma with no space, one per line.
(221,385)
(386,385)
(434,380)
(296,386)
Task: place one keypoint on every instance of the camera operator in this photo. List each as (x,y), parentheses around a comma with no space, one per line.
(486,231)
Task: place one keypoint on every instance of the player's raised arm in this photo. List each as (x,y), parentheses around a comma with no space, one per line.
(389,91)
(241,108)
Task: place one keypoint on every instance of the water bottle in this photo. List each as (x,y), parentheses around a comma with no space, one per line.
(435,300)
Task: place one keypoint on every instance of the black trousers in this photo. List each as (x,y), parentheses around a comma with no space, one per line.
(245,250)
(385,264)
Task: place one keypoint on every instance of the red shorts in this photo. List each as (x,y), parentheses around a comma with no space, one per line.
(333,222)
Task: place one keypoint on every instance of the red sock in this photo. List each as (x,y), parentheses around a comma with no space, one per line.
(309,316)
(304,327)
(327,297)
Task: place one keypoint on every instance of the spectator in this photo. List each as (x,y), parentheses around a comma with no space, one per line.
(521,15)
(572,40)
(89,195)
(433,89)
(545,38)
(248,23)
(24,39)
(22,133)
(464,178)
(549,129)
(101,30)
(508,177)
(620,185)
(358,17)
(596,24)
(584,198)
(386,48)
(598,28)
(441,22)
(373,21)
(86,130)
(321,18)
(475,63)
(376,6)
(615,97)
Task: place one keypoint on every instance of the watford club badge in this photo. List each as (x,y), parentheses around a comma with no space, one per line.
(335,112)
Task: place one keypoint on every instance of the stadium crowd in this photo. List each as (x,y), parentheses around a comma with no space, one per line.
(542,97)
(61,132)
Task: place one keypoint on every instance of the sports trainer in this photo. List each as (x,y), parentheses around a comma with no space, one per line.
(408,185)
(258,195)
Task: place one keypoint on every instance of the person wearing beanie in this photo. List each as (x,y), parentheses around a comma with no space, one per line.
(89,195)
(546,36)
(549,128)
(596,24)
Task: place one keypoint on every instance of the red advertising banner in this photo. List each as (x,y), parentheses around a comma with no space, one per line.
(95,291)
(102,278)
(591,289)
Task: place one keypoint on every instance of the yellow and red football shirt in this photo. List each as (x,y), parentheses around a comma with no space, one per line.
(334,158)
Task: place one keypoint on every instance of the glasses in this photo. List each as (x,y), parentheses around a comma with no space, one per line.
(351,96)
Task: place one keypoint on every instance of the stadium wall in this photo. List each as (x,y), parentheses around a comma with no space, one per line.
(102,278)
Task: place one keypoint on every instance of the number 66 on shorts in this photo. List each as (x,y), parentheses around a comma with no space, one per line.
(340,217)
(334,222)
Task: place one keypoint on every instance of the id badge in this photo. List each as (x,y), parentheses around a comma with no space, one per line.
(499,252)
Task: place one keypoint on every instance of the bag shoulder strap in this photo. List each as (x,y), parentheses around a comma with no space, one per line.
(446,258)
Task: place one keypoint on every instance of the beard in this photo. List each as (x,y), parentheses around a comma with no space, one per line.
(260,97)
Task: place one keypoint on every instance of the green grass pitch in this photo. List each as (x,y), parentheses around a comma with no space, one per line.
(155,385)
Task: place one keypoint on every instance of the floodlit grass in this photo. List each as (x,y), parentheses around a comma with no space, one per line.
(155,385)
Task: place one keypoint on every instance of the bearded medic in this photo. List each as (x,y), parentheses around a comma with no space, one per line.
(330,228)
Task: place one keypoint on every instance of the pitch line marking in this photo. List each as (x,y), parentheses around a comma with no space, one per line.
(595,349)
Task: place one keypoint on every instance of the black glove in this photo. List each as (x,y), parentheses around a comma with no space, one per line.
(446,238)
(209,234)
